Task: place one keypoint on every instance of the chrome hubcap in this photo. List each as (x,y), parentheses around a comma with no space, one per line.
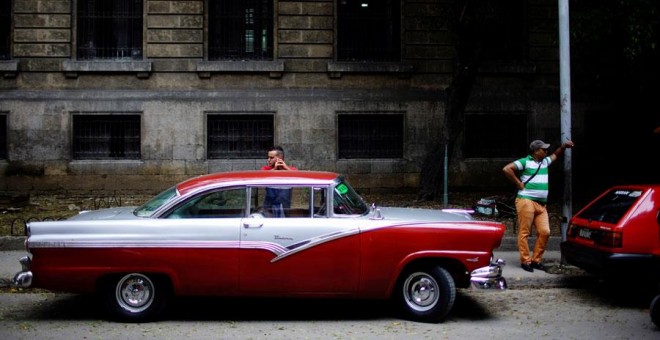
(420,291)
(135,292)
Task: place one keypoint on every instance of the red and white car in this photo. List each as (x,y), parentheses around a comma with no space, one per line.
(264,234)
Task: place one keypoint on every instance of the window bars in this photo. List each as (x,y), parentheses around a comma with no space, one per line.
(5,29)
(369,30)
(106,137)
(239,135)
(241,30)
(109,30)
(370,135)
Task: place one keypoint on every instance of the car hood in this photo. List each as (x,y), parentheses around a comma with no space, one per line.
(120,213)
(451,215)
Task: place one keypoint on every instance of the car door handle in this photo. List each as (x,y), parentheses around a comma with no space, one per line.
(252,225)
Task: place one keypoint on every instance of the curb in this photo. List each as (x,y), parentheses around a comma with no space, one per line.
(12,242)
(509,243)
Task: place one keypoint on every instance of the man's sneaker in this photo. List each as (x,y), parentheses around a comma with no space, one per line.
(538,266)
(527,267)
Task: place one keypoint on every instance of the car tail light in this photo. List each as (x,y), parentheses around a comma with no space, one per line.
(610,239)
(572,230)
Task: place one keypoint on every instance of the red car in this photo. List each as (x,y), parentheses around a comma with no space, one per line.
(617,236)
(264,234)
(618,233)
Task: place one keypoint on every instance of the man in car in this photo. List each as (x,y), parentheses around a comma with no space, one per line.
(532,198)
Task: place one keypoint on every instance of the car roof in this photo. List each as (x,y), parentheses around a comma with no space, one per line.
(254,176)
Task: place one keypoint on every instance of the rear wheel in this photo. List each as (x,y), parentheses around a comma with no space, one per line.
(135,297)
(426,295)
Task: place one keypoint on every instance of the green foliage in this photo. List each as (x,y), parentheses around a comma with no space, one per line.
(614,45)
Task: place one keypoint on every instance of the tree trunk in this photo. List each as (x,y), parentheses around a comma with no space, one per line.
(469,20)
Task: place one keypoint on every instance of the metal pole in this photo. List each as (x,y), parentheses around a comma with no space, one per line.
(445,197)
(565,88)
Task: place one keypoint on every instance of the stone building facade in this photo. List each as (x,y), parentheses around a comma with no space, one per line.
(311,76)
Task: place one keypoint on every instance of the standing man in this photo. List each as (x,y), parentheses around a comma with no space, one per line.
(276,160)
(532,198)
(277,200)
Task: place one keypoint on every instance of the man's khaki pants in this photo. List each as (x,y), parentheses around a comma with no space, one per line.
(531,212)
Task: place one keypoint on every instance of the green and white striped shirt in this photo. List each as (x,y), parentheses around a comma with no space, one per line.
(537,188)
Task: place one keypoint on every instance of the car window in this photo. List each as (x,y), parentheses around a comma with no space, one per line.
(347,202)
(612,206)
(147,209)
(228,203)
(280,201)
(320,201)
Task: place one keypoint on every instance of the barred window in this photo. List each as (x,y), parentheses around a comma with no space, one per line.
(369,30)
(495,135)
(110,30)
(239,135)
(3,136)
(5,29)
(240,29)
(503,41)
(370,135)
(106,136)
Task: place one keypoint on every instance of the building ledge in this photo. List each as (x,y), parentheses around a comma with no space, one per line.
(507,67)
(72,68)
(275,68)
(9,68)
(336,69)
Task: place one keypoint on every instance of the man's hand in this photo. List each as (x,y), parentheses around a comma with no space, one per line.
(280,165)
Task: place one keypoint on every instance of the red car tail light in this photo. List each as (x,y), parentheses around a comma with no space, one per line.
(610,239)
(572,230)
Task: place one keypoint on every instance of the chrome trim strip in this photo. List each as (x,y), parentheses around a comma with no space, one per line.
(278,250)
(313,242)
(134,244)
(270,246)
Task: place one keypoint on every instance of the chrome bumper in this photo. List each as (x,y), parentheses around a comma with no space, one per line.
(489,277)
(23,279)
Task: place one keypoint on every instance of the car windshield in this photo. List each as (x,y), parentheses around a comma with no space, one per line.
(147,209)
(347,201)
(612,206)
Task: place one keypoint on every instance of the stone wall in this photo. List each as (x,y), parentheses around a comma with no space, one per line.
(175,86)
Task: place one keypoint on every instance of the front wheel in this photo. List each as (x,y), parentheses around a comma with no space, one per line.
(135,297)
(426,295)
(654,310)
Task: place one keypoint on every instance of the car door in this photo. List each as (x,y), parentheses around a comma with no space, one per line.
(299,252)
(207,249)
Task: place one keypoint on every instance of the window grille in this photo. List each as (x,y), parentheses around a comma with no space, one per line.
(106,136)
(239,135)
(109,30)
(240,29)
(3,136)
(504,39)
(369,30)
(5,29)
(370,136)
(495,135)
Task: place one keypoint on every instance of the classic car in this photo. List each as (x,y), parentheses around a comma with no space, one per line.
(617,237)
(617,234)
(290,234)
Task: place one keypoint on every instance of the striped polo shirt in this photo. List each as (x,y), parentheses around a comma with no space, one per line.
(537,188)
